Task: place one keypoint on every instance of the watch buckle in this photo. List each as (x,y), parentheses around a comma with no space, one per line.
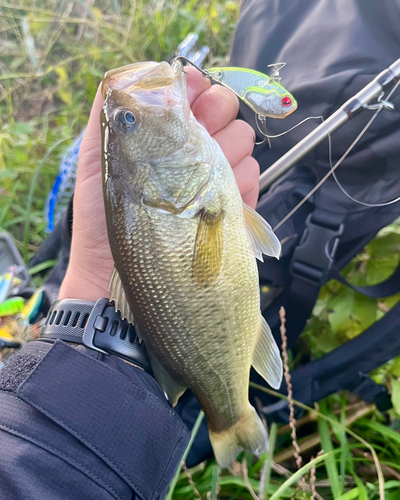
(90,329)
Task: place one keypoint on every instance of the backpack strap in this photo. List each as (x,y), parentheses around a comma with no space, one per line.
(385,288)
(345,368)
(310,266)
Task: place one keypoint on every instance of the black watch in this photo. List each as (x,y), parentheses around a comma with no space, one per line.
(96,325)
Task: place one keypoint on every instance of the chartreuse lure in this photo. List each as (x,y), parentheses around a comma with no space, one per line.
(264,95)
(261,93)
(11,307)
(33,307)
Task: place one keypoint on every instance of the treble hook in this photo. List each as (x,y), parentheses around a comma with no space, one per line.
(262,119)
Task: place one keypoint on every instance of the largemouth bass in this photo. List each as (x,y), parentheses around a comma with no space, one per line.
(184,247)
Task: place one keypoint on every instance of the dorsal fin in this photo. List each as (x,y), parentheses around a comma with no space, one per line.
(261,236)
(117,294)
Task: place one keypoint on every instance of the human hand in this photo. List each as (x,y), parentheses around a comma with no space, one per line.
(91,261)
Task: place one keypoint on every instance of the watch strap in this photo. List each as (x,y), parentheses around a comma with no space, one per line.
(96,325)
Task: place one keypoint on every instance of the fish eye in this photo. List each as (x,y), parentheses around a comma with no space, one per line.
(126,119)
(130,118)
(286,101)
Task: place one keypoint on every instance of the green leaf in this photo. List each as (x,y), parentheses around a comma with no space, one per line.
(214,481)
(364,310)
(386,245)
(378,270)
(396,394)
(395,367)
(330,463)
(340,307)
(350,495)
(384,431)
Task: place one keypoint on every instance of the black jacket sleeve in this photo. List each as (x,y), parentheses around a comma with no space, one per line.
(75,424)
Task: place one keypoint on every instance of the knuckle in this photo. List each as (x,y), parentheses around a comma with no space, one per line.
(223,100)
(246,133)
(253,168)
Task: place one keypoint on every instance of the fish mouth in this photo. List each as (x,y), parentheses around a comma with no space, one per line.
(140,76)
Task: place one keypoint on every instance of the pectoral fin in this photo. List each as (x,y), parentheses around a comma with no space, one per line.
(207,259)
(266,358)
(173,389)
(117,294)
(261,236)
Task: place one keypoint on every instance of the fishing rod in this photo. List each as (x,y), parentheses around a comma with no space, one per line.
(350,109)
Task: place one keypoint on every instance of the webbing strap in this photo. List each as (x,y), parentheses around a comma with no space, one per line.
(310,265)
(385,288)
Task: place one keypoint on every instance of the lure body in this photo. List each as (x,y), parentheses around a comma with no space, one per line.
(32,308)
(12,306)
(6,284)
(264,95)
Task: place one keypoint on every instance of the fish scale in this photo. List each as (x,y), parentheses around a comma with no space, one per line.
(166,281)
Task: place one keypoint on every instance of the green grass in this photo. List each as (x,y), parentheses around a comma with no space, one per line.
(53,55)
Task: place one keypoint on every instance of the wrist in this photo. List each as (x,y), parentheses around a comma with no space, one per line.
(83,287)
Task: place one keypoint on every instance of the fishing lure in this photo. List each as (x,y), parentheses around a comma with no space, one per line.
(6,332)
(6,283)
(262,94)
(33,307)
(12,306)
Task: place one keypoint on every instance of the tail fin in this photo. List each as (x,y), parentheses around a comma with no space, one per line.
(248,434)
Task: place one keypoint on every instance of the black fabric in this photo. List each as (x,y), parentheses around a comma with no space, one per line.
(20,365)
(88,425)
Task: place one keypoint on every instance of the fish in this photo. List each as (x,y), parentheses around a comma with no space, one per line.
(184,247)
(264,95)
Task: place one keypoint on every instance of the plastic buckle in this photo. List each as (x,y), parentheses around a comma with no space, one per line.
(313,257)
(90,329)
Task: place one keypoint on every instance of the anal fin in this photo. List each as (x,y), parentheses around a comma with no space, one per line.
(117,294)
(173,389)
(261,236)
(267,360)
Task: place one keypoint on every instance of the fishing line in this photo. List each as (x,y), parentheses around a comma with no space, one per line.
(333,168)
(257,117)
(365,204)
(317,186)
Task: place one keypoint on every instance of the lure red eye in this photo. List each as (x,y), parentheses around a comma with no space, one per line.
(286,101)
